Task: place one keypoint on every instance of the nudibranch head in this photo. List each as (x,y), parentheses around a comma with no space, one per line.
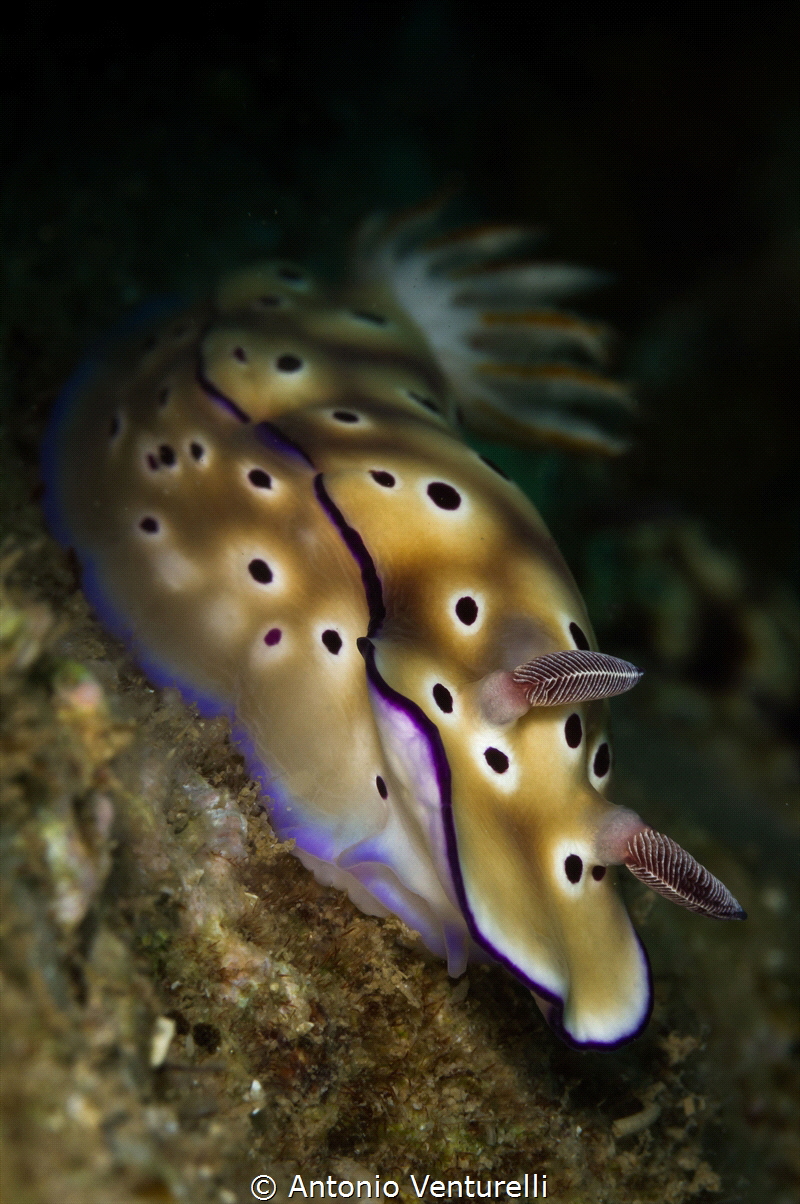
(273,509)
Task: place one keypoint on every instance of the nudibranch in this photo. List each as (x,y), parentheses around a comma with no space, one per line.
(274,509)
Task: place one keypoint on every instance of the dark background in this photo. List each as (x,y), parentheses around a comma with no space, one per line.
(659,144)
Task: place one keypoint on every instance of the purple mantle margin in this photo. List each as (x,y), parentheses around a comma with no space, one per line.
(431,734)
(358,549)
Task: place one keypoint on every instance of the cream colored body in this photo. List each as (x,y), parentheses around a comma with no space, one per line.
(319,733)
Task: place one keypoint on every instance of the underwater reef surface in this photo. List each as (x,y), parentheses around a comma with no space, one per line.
(183,1006)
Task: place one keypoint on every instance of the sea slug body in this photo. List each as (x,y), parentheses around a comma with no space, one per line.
(274,509)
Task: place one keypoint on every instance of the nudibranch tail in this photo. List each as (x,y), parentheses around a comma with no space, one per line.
(475,299)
